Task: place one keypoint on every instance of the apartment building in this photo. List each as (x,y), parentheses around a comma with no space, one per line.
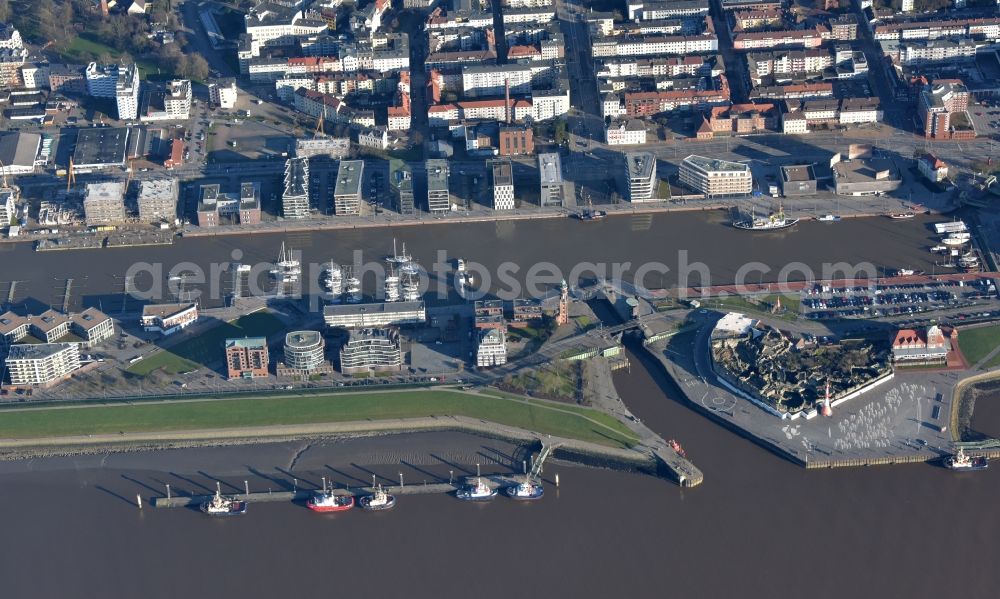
(371,350)
(625,132)
(41,364)
(168,319)
(215,207)
(438,196)
(295,196)
(502,179)
(350,316)
(716,178)
(104,203)
(157,200)
(653,44)
(347,191)
(492,348)
(222,93)
(802,38)
(552,190)
(641,175)
(127,92)
(401,182)
(247,358)
(937,105)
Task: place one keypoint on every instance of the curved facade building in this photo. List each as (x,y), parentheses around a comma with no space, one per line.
(304,350)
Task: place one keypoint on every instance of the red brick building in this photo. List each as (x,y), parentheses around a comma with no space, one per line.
(247,358)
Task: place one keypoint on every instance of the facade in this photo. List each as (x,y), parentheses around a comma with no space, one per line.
(222,93)
(502,178)
(489,314)
(552,190)
(860,174)
(937,106)
(371,350)
(171,102)
(347,192)
(933,168)
(516,140)
(924,346)
(104,203)
(127,92)
(91,326)
(157,200)
(100,79)
(627,132)
(304,350)
(716,178)
(401,182)
(247,358)
(438,195)
(641,173)
(295,197)
(334,147)
(798,180)
(41,364)
(214,206)
(8,208)
(168,319)
(492,348)
(350,316)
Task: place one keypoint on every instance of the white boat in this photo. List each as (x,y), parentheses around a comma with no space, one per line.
(352,290)
(286,268)
(956,226)
(900,215)
(905,272)
(969,261)
(391,287)
(773,222)
(939,249)
(525,491)
(463,279)
(963,235)
(332,279)
(378,501)
(954,241)
(829,218)
(222,505)
(399,258)
(962,462)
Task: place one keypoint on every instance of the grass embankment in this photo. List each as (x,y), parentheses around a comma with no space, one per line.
(789,303)
(977,343)
(206,348)
(541,417)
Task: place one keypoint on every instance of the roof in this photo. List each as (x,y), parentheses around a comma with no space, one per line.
(19,149)
(502,173)
(303,339)
(379,308)
(101,146)
(165,311)
(36,351)
(437,175)
(349,177)
(247,343)
(798,173)
(89,318)
(640,164)
(714,164)
(550,168)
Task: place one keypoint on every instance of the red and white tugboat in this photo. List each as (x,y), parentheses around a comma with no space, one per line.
(378,501)
(964,463)
(220,505)
(328,501)
(677,447)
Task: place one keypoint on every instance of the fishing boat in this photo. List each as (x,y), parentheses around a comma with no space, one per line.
(378,501)
(476,491)
(328,501)
(525,491)
(829,218)
(963,463)
(900,215)
(773,222)
(221,505)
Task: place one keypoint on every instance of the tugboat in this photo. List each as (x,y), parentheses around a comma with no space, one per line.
(525,491)
(378,501)
(677,447)
(328,501)
(477,491)
(220,505)
(592,215)
(829,218)
(964,463)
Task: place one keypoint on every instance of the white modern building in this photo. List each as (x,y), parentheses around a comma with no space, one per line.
(41,364)
(716,178)
(629,132)
(101,80)
(350,316)
(127,92)
(222,93)
(438,195)
(168,319)
(295,197)
(371,350)
(641,172)
(169,103)
(503,185)
(492,348)
(552,191)
(347,191)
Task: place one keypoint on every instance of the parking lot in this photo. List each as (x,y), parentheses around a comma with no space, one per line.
(822,302)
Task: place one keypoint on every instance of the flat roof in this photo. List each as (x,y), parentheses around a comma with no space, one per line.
(165,310)
(36,351)
(164,189)
(860,170)
(640,164)
(798,173)
(715,164)
(101,146)
(349,177)
(301,339)
(437,175)
(550,168)
(377,308)
(296,176)
(247,342)
(502,173)
(19,149)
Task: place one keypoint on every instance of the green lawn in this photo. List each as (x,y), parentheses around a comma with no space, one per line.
(206,348)
(84,49)
(976,343)
(541,417)
(742,304)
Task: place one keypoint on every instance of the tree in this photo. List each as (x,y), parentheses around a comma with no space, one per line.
(4,10)
(197,67)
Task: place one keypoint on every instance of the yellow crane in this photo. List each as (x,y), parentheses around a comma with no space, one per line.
(70,176)
(319,126)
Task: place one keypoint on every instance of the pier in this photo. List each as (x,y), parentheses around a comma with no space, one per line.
(303,494)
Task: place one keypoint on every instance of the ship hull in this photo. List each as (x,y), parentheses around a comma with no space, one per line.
(750,227)
(537,493)
(465,495)
(323,509)
(367,505)
(976,465)
(238,509)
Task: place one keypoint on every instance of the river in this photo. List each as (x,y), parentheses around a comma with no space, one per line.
(758,527)
(674,240)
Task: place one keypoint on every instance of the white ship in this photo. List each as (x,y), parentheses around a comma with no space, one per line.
(773,222)
(391,287)
(463,279)
(286,269)
(332,279)
(399,258)
(352,289)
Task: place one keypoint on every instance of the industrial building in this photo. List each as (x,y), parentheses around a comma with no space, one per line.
(168,319)
(19,152)
(347,192)
(295,197)
(401,180)
(861,174)
(247,358)
(157,200)
(100,148)
(492,348)
(798,180)
(502,178)
(716,178)
(42,363)
(371,350)
(552,190)
(641,173)
(438,196)
(104,203)
(374,315)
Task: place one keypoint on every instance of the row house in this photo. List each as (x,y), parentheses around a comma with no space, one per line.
(649,45)
(649,103)
(751,20)
(738,119)
(786,62)
(985,29)
(793,91)
(805,38)
(705,65)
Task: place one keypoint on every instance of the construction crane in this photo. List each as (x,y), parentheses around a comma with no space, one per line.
(3,173)
(319,126)
(70,176)
(131,171)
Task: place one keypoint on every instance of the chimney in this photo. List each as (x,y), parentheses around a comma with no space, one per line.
(506,96)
